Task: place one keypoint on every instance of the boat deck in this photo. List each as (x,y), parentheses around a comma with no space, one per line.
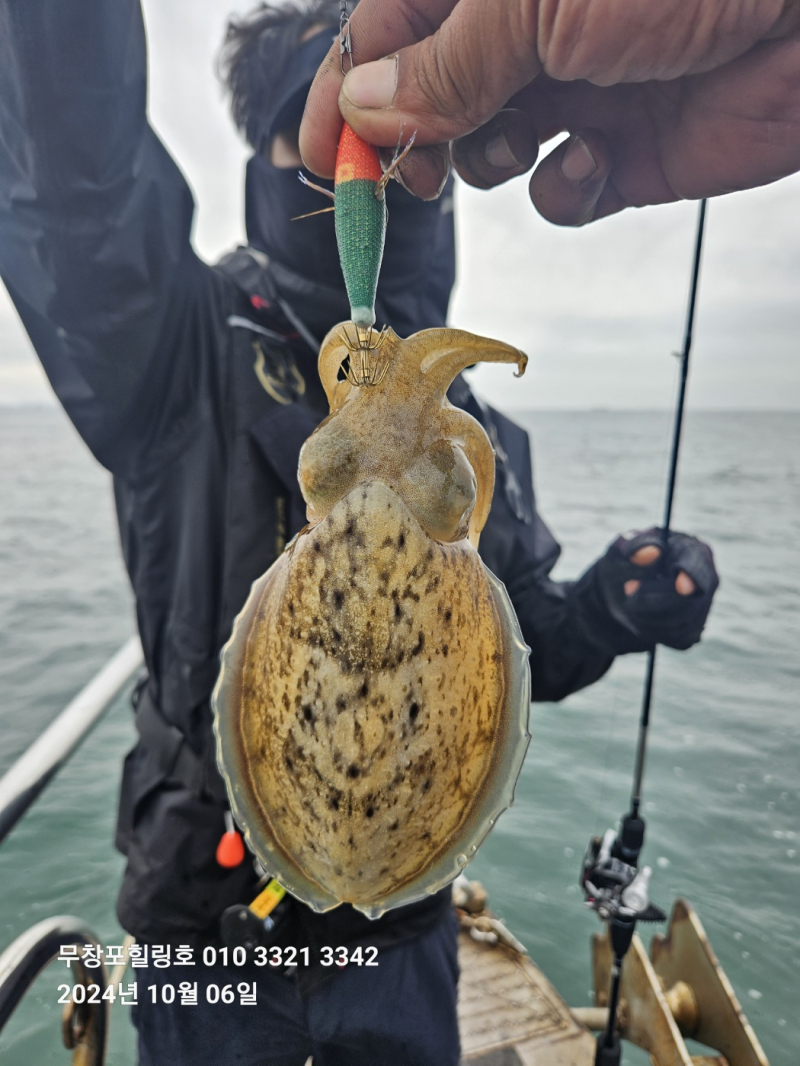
(510,1014)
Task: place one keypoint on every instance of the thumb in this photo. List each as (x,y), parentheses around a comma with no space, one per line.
(449,83)
(460,64)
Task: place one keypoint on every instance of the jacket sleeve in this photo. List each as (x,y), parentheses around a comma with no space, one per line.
(519,548)
(95,217)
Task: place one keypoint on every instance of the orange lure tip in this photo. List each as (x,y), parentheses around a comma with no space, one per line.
(355,159)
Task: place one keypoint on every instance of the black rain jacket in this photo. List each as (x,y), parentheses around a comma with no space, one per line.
(192,384)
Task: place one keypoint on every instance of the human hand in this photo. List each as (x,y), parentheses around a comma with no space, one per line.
(649,556)
(682,99)
(645,591)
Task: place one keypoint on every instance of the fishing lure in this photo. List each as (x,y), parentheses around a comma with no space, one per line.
(360,217)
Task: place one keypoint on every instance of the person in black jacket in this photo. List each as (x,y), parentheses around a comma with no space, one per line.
(196,385)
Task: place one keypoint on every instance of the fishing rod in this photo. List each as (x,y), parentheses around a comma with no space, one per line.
(644,722)
(615,887)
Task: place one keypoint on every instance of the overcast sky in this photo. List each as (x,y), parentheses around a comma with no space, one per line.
(599,310)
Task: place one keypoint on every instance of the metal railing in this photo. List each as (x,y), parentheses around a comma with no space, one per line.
(32,771)
(85,1024)
(84,1028)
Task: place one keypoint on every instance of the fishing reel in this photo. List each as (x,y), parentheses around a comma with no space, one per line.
(619,893)
(615,888)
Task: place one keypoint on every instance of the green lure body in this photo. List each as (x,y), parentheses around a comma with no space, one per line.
(360,217)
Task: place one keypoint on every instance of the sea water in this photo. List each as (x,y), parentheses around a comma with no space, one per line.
(722,788)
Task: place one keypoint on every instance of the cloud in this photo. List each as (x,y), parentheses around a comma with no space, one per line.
(599,309)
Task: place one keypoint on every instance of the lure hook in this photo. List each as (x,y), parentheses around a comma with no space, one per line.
(367,366)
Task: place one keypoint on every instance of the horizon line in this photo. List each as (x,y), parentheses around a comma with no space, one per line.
(48,405)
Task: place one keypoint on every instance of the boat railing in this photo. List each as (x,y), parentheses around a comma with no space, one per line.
(85,1023)
(32,771)
(86,1017)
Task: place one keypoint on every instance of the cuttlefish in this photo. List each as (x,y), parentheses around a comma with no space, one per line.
(371,713)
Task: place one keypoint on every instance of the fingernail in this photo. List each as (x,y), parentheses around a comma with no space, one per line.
(372,85)
(499,155)
(578,163)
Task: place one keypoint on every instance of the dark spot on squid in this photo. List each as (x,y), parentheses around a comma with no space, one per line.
(401,541)
(353,772)
(338,599)
(413,711)
(364,690)
(445,650)
(448,614)
(308,714)
(419,645)
(370,811)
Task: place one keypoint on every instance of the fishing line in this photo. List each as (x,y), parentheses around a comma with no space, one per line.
(617,687)
(614,686)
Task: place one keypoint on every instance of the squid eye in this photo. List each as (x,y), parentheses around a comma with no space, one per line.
(440,488)
(328,467)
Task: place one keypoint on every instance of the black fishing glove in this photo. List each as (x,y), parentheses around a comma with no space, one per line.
(622,621)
